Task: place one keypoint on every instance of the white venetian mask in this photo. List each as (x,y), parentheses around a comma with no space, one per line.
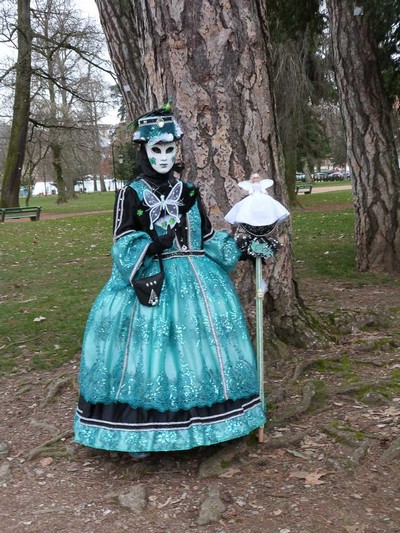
(161,156)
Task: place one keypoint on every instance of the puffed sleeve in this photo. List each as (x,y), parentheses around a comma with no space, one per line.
(129,254)
(218,245)
(222,249)
(126,208)
(130,240)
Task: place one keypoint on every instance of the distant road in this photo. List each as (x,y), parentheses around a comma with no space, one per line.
(331,189)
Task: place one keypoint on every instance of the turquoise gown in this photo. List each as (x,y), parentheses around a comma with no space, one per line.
(177,375)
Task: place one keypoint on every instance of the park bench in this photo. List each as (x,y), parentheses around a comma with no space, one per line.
(304,187)
(19,212)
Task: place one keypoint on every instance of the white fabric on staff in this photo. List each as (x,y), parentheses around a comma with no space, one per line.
(257,209)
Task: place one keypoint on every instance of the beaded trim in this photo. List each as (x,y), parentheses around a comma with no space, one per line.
(181,253)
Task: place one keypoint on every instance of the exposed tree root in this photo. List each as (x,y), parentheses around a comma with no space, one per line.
(48,449)
(392,453)
(367,362)
(358,455)
(361,385)
(295,410)
(304,365)
(44,425)
(24,341)
(55,387)
(285,440)
(342,436)
(310,362)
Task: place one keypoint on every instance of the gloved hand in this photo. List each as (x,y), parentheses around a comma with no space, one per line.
(243,242)
(161,243)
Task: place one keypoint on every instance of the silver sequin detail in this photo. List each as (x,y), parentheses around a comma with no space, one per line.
(128,342)
(218,347)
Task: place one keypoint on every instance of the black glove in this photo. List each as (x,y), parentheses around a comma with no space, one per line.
(243,242)
(161,243)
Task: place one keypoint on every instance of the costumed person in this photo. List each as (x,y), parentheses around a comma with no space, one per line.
(258,208)
(171,369)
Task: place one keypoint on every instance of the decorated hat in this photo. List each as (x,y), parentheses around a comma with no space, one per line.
(156,126)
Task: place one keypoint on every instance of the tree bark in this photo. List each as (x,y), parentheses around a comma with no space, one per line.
(54,134)
(211,57)
(369,136)
(19,129)
(103,187)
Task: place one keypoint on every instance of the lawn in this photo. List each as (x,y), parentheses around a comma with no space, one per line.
(324,239)
(323,243)
(322,184)
(52,270)
(83,203)
(50,274)
(336,198)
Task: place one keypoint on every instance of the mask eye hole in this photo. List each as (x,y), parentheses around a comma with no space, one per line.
(156,150)
(170,150)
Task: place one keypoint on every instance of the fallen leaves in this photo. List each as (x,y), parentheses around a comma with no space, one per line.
(39,319)
(312,478)
(392,411)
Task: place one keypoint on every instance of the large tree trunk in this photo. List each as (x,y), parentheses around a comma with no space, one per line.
(370,142)
(212,59)
(17,143)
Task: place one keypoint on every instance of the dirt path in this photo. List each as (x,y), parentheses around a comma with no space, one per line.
(330,462)
(332,188)
(49,216)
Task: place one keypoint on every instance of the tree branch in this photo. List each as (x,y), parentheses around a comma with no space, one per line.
(7,72)
(39,124)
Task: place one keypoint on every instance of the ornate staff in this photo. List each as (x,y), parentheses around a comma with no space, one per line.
(255,217)
(257,243)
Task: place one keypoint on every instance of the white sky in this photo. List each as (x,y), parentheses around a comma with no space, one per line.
(87,8)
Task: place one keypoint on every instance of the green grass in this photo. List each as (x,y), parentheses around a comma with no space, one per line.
(55,269)
(324,243)
(85,202)
(324,246)
(344,367)
(52,269)
(337,198)
(331,183)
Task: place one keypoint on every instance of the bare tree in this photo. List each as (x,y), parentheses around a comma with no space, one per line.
(93,109)
(17,142)
(36,151)
(369,136)
(63,46)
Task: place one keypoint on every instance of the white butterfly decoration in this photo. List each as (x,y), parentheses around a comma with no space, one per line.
(169,206)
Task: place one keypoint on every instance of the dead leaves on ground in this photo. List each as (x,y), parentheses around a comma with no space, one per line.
(312,478)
